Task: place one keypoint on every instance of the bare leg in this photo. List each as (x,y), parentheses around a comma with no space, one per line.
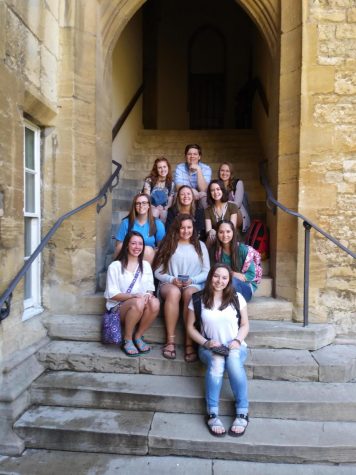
(149,254)
(150,313)
(130,314)
(171,295)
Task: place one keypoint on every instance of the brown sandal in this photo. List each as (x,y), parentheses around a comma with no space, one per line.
(169,354)
(190,356)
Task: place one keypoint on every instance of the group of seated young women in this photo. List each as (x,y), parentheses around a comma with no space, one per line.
(183,264)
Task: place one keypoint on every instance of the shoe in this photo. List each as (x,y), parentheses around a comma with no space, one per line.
(240,421)
(129,348)
(169,354)
(141,345)
(212,420)
(190,356)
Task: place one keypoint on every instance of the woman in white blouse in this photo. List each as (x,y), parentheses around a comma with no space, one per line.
(138,307)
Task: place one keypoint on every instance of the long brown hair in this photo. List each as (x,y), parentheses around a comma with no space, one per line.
(153,176)
(169,243)
(228,294)
(232,180)
(133,215)
(217,249)
(177,204)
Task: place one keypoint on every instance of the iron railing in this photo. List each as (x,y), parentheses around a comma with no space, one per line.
(5,299)
(307,227)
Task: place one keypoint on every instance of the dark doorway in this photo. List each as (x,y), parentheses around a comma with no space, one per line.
(207,79)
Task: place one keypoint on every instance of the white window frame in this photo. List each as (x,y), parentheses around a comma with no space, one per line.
(32,305)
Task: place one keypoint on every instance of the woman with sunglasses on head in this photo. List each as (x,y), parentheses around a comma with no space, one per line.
(228,250)
(140,219)
(236,190)
(185,204)
(181,265)
(220,330)
(129,283)
(160,186)
(219,208)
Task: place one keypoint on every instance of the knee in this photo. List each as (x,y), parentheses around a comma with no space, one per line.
(173,296)
(153,305)
(149,254)
(138,305)
(217,366)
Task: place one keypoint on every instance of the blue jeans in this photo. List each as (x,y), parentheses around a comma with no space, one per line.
(244,288)
(216,365)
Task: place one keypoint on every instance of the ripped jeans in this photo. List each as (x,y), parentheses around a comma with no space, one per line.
(216,365)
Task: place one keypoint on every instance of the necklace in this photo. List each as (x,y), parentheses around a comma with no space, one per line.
(222,215)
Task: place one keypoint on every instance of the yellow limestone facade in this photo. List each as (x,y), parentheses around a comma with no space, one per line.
(59,69)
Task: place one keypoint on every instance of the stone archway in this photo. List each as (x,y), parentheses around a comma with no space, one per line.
(279,134)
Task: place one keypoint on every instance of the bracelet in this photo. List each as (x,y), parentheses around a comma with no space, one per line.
(238,341)
(205,342)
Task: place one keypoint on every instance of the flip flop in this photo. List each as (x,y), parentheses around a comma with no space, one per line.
(213,420)
(141,345)
(129,348)
(240,421)
(169,354)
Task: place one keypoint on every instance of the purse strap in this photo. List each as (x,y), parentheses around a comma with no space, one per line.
(137,273)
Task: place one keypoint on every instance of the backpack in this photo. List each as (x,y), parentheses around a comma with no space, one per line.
(197,308)
(253,255)
(258,238)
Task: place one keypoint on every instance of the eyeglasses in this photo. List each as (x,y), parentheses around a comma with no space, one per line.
(141,203)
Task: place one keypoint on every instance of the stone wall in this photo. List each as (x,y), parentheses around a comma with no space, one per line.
(328,156)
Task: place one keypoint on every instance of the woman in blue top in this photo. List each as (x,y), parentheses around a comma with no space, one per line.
(140,219)
(229,251)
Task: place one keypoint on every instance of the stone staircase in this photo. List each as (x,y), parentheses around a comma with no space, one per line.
(115,414)
(94,399)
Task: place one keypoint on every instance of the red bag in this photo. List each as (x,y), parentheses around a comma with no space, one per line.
(258,237)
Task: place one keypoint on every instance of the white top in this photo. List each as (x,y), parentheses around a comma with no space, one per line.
(118,282)
(220,325)
(185,261)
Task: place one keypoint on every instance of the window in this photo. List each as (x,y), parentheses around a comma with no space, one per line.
(32,217)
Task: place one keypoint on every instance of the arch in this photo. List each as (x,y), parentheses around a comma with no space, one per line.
(265,14)
(115,15)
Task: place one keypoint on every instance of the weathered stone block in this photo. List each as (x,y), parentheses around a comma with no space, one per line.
(345,83)
(346,31)
(48,74)
(332,15)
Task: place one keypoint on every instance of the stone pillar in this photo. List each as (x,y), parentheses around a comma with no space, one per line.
(327,157)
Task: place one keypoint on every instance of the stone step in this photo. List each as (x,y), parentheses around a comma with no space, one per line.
(260,308)
(140,433)
(36,462)
(141,392)
(263,334)
(267,364)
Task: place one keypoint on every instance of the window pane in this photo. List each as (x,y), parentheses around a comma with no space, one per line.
(30,193)
(28,284)
(29,149)
(28,237)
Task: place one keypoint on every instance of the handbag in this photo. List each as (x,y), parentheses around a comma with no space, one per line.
(159,197)
(111,325)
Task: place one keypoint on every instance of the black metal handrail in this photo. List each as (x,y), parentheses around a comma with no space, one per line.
(5,299)
(121,120)
(307,226)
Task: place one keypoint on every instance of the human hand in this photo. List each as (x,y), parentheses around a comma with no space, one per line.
(240,276)
(235,345)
